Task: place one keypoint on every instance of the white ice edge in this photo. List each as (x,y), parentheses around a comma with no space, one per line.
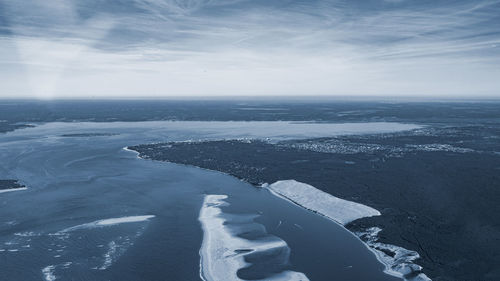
(131,150)
(342,212)
(219,256)
(128,149)
(401,264)
(13,189)
(124,220)
(109,222)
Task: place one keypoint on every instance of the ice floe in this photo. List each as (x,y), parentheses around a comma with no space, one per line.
(398,261)
(27,234)
(111,251)
(109,222)
(117,248)
(223,252)
(108,257)
(311,198)
(124,220)
(48,273)
(12,189)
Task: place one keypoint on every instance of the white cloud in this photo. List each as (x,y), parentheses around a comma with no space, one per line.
(175,48)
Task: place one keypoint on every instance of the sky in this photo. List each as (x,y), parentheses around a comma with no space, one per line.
(166,48)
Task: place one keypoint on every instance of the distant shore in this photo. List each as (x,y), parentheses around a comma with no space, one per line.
(409,177)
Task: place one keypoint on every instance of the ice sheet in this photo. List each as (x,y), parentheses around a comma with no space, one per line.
(309,197)
(108,222)
(273,130)
(223,253)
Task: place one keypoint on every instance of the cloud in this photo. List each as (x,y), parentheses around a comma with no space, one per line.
(223,47)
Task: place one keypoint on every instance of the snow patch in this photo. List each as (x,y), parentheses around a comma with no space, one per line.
(27,234)
(108,257)
(48,273)
(116,249)
(109,222)
(339,210)
(124,220)
(130,150)
(398,261)
(12,189)
(223,253)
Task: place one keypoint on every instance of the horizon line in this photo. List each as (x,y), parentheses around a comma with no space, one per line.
(289,98)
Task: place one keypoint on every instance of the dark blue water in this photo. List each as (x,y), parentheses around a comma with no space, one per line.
(61,228)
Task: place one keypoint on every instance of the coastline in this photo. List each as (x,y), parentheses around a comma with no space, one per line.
(13,189)
(383,258)
(437,187)
(10,185)
(399,265)
(221,240)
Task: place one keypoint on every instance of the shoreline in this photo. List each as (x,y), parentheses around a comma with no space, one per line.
(13,189)
(10,185)
(379,255)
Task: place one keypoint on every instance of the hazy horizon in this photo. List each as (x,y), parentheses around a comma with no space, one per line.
(149,49)
(262,98)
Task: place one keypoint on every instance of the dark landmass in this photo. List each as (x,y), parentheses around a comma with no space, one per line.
(10,184)
(438,188)
(89,135)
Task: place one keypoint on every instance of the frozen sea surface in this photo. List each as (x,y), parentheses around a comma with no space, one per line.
(311,198)
(93,211)
(224,251)
(194,130)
